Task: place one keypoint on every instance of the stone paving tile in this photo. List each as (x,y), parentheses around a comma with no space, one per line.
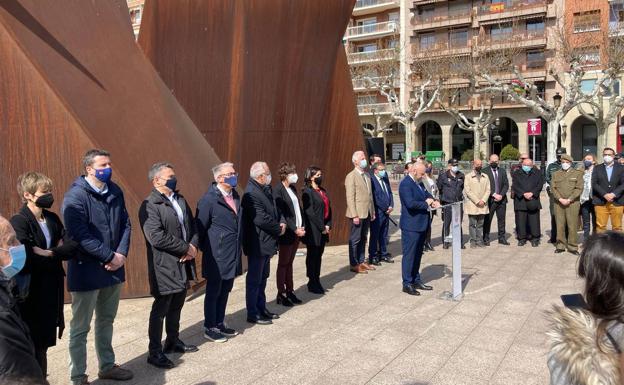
(365,330)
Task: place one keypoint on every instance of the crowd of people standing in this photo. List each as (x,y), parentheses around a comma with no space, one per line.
(94,239)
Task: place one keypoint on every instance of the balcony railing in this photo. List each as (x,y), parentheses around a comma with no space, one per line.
(378,108)
(509,6)
(420,22)
(442,49)
(359,84)
(382,54)
(517,38)
(372,29)
(373,3)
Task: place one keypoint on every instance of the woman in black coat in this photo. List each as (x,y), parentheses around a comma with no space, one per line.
(317,219)
(40,284)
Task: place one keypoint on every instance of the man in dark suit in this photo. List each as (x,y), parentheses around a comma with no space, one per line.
(219,228)
(608,192)
(262,226)
(384,203)
(171,240)
(415,204)
(497,203)
(527,185)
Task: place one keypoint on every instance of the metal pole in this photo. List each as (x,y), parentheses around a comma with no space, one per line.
(456,231)
(534,155)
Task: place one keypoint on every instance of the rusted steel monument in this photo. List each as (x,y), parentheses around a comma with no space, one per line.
(251,79)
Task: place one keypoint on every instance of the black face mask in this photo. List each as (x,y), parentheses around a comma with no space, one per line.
(172,183)
(478,170)
(319,181)
(494,165)
(45,201)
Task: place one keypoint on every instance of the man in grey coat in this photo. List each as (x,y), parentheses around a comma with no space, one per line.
(171,239)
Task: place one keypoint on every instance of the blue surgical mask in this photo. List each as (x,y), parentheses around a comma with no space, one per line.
(588,163)
(104,175)
(363,163)
(231,180)
(526,169)
(18,259)
(382,173)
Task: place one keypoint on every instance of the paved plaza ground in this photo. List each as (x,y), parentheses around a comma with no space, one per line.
(365,330)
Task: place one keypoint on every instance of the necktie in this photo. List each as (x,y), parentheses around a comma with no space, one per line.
(383,186)
(230,201)
(496,190)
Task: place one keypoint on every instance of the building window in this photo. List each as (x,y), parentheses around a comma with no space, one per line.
(394,17)
(392,43)
(367,48)
(535,59)
(587,87)
(535,27)
(458,38)
(366,99)
(426,13)
(501,32)
(586,21)
(135,16)
(427,40)
(589,56)
(457,8)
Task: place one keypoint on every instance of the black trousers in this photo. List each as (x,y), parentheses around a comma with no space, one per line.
(357,241)
(498,209)
(447,217)
(41,355)
(216,298)
(165,308)
(531,220)
(314,257)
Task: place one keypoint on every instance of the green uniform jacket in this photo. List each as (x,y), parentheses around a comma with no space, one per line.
(567,184)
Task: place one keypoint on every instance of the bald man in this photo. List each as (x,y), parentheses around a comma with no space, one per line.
(415,205)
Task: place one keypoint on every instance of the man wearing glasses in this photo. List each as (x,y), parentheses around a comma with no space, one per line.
(218,224)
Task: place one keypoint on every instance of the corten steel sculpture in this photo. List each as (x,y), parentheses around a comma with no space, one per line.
(262,80)
(73,78)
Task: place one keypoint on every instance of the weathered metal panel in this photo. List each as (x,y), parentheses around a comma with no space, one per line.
(262,80)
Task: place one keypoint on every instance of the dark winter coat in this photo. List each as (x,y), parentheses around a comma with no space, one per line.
(451,187)
(42,310)
(166,243)
(261,221)
(219,229)
(17,352)
(100,224)
(523,182)
(314,217)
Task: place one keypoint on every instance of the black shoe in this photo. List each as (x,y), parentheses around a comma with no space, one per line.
(558,251)
(422,286)
(159,360)
(428,246)
(463,246)
(268,315)
(226,331)
(259,320)
(521,243)
(282,300)
(486,242)
(535,242)
(314,288)
(293,298)
(446,246)
(374,261)
(411,290)
(553,241)
(387,259)
(179,347)
(320,287)
(214,335)
(503,242)
(575,252)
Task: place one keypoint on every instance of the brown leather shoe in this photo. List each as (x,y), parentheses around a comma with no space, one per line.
(362,269)
(355,269)
(368,266)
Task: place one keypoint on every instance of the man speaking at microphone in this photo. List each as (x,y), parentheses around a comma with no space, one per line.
(415,205)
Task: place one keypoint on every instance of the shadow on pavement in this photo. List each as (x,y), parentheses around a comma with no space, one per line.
(147,374)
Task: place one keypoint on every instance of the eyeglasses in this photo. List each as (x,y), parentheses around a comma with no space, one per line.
(229,174)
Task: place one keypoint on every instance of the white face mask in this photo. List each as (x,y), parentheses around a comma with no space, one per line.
(565,166)
(293,178)
(268,179)
(454,169)
(607,158)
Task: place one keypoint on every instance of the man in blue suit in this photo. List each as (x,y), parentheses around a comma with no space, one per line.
(415,204)
(382,198)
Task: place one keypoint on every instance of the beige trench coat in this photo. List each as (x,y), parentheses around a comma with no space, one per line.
(476,189)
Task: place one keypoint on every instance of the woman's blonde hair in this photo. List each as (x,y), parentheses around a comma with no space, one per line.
(31,182)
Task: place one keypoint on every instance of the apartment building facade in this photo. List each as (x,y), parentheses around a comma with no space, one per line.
(452,30)
(376,34)
(136,13)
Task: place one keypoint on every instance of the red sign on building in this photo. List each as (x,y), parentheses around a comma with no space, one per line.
(534,127)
